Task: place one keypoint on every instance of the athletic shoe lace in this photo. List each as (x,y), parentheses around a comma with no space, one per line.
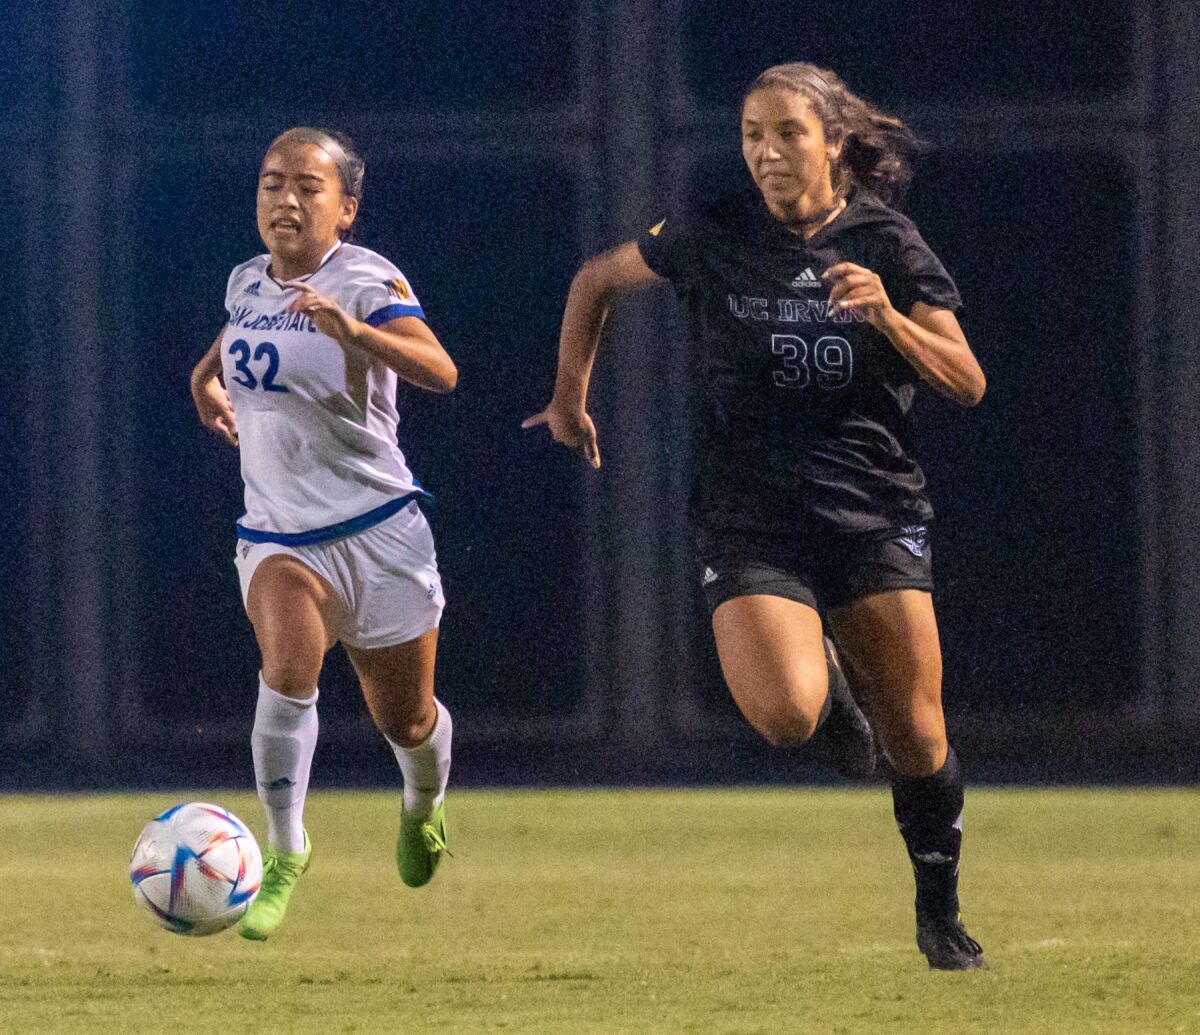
(277,868)
(434,842)
(963,940)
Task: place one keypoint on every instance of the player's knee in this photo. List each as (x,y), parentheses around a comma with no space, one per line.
(786,716)
(918,751)
(786,727)
(407,724)
(291,677)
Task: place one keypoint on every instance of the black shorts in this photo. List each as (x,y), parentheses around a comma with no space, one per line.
(823,571)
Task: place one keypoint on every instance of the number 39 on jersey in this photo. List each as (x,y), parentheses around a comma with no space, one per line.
(830,356)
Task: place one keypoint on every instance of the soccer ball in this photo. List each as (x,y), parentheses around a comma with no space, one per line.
(196,868)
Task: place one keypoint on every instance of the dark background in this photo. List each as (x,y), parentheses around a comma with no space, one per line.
(504,145)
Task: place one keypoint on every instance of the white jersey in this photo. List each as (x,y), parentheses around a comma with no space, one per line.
(316,422)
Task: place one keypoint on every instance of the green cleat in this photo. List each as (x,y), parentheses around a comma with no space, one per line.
(281,870)
(420,846)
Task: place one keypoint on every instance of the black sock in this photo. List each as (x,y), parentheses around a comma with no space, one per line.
(929,813)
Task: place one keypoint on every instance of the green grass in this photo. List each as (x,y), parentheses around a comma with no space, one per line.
(608,912)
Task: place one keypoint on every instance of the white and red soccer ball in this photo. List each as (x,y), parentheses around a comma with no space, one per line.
(196,868)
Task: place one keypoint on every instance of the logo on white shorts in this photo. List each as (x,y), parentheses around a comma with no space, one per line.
(710,576)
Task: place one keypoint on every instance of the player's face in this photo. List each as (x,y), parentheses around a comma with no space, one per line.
(787,152)
(301,206)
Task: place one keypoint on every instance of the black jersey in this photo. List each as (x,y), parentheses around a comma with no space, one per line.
(803,414)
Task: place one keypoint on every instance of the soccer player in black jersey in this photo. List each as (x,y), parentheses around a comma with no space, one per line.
(814,312)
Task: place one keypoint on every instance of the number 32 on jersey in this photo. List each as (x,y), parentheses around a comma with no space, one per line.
(830,355)
(240,349)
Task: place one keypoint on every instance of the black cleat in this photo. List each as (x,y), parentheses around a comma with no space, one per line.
(947,946)
(847,731)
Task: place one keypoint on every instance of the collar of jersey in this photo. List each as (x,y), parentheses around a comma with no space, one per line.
(799,242)
(320,265)
(830,229)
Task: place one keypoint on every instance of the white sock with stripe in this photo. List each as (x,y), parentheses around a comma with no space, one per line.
(283,742)
(426,767)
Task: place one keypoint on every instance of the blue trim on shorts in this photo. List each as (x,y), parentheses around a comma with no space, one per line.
(329,532)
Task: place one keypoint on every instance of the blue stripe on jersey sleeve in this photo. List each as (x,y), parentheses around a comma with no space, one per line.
(391,312)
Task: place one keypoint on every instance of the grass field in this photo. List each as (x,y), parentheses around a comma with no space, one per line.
(765,911)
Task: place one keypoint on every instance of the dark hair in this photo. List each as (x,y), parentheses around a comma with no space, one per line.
(341,149)
(877,149)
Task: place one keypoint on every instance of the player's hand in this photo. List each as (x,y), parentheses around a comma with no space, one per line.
(859,289)
(215,409)
(330,318)
(573,428)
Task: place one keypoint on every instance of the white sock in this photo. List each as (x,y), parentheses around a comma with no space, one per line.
(283,742)
(426,767)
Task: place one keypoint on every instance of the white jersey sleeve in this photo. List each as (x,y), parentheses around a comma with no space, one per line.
(316,422)
(375,291)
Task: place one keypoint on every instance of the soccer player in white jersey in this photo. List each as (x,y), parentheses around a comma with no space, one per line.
(333,545)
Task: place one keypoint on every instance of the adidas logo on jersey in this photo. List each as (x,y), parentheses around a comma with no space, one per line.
(253,288)
(806,279)
(710,576)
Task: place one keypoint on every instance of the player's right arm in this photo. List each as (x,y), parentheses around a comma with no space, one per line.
(598,283)
(211,398)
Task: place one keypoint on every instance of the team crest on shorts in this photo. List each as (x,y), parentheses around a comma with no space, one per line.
(913,539)
(398,288)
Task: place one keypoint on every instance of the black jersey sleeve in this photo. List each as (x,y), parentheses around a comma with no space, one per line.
(669,247)
(920,277)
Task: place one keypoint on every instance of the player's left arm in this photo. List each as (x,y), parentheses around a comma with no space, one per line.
(406,344)
(929,337)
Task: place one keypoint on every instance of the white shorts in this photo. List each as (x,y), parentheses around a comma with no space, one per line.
(386,578)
